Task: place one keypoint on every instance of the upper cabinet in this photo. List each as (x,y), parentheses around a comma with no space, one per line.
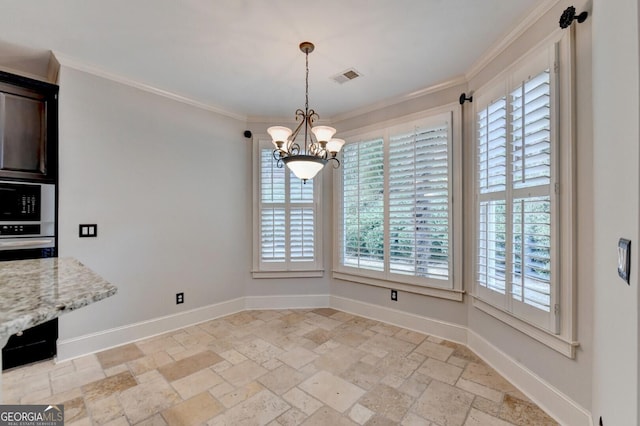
(28,129)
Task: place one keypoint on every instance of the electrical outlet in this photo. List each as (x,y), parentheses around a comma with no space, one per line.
(179,298)
(394,295)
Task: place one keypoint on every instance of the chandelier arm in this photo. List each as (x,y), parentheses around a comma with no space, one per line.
(336,165)
(294,149)
(312,116)
(277,154)
(317,150)
(299,115)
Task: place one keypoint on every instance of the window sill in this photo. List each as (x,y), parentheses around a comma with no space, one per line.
(288,274)
(556,342)
(442,293)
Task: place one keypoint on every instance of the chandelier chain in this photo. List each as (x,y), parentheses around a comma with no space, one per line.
(306,101)
(306,85)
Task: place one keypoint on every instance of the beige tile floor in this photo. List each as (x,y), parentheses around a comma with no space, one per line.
(284,367)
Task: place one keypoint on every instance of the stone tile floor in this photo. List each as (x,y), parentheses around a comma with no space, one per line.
(283,367)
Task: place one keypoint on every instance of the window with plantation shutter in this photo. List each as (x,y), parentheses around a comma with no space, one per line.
(286,241)
(395,207)
(363,205)
(514,199)
(419,202)
(523,191)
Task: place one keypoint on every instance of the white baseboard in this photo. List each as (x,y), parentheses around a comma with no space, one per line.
(296,301)
(444,330)
(557,404)
(95,342)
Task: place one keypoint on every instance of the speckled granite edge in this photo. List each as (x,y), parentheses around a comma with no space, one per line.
(37,290)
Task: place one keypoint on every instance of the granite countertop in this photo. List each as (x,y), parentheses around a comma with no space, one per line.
(37,290)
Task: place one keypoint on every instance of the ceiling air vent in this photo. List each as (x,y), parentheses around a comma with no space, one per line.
(345,76)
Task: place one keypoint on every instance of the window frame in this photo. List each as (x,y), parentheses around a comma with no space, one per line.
(453,290)
(288,268)
(562,337)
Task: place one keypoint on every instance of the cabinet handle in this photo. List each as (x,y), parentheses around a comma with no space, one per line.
(24,243)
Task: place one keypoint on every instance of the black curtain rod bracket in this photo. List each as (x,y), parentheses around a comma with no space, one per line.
(464,98)
(569,15)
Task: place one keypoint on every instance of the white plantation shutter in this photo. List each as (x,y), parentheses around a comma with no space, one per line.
(419,192)
(531,276)
(515,203)
(492,245)
(492,134)
(396,207)
(272,235)
(302,234)
(302,214)
(287,223)
(492,183)
(531,180)
(363,205)
(272,213)
(531,133)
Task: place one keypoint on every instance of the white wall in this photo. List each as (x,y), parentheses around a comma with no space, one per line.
(168,186)
(616,207)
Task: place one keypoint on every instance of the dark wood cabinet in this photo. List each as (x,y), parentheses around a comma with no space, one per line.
(28,129)
(34,344)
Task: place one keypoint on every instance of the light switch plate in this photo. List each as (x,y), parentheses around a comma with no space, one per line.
(88,230)
(624,259)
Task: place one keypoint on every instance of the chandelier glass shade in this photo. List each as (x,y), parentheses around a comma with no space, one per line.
(319,146)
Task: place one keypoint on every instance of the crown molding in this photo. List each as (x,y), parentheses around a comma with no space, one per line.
(69,62)
(281,121)
(521,27)
(27,74)
(53,68)
(400,99)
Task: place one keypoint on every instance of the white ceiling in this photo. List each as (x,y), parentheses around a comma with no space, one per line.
(242,55)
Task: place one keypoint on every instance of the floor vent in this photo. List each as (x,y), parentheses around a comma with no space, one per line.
(345,76)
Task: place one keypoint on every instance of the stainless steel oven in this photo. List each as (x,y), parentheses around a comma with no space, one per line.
(27,220)
(28,231)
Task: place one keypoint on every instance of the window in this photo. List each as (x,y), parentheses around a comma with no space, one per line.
(395,210)
(523,192)
(287,239)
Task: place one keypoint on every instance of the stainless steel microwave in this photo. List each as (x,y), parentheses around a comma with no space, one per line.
(27,215)
(28,129)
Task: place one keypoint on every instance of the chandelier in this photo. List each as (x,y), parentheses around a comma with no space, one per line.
(319,145)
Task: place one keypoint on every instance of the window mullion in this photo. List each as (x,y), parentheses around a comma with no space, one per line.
(556,294)
(287,219)
(486,154)
(386,221)
(522,252)
(508,201)
(358,196)
(522,134)
(415,202)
